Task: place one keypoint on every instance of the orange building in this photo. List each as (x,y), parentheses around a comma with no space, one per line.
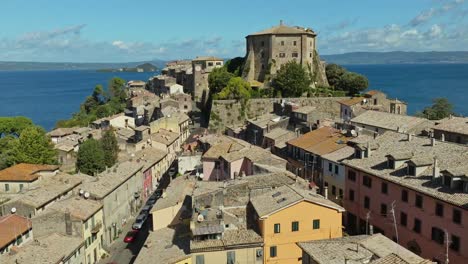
(290,214)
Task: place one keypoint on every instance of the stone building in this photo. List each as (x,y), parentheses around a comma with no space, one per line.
(202,66)
(269,49)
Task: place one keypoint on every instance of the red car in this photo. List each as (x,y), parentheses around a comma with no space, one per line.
(131,236)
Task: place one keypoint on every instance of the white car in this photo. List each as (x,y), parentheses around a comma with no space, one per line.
(139,221)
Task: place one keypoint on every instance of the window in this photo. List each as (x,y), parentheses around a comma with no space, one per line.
(383,209)
(86,225)
(439,210)
(295,43)
(210,64)
(294,55)
(330,167)
(437,235)
(403,219)
(404,196)
(351,195)
(455,245)
(259,254)
(273,252)
(282,55)
(341,193)
(316,224)
(411,170)
(200,259)
(231,257)
(456,216)
(277,228)
(417,225)
(218,63)
(419,201)
(333,190)
(263,66)
(7,187)
(336,169)
(384,188)
(310,55)
(21,186)
(185,106)
(366,202)
(295,226)
(352,175)
(262,55)
(282,43)
(19,240)
(367,181)
(263,43)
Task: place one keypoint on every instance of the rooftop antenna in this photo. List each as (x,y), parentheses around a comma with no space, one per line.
(392,211)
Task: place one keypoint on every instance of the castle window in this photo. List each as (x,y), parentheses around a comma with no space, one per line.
(282,43)
(210,63)
(294,43)
(263,66)
(263,43)
(218,63)
(282,55)
(310,54)
(295,55)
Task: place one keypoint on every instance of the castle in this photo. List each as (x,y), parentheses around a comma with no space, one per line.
(269,49)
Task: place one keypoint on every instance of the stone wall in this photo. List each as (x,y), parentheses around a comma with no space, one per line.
(232,113)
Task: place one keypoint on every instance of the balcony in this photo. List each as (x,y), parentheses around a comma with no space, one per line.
(96,228)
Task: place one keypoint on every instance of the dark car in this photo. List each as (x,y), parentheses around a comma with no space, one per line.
(130,236)
(139,221)
(146,209)
(172,171)
(151,201)
(157,194)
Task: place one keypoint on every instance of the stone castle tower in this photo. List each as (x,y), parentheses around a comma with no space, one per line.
(268,50)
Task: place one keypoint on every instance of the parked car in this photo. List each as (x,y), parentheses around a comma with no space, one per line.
(157,194)
(172,171)
(130,236)
(139,221)
(151,201)
(146,209)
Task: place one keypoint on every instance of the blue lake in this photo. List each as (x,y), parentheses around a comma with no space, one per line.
(47,96)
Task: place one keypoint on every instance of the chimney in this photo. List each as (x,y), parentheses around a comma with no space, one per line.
(126,123)
(68,224)
(442,137)
(369,151)
(435,169)
(409,136)
(433,141)
(325,192)
(371,230)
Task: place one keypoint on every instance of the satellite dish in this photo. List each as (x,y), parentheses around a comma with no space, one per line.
(200,218)
(81,192)
(13,210)
(201,175)
(86,195)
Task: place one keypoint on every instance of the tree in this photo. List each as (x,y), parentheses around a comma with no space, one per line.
(90,158)
(334,73)
(235,65)
(98,94)
(218,79)
(292,80)
(110,147)
(34,146)
(14,125)
(441,108)
(7,155)
(117,89)
(236,88)
(353,83)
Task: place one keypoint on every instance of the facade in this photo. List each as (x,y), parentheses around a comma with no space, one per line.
(23,176)
(268,50)
(288,215)
(425,183)
(452,129)
(276,139)
(357,249)
(75,216)
(201,68)
(375,122)
(16,231)
(259,126)
(119,189)
(185,102)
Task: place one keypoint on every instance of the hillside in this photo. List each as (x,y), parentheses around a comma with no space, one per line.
(31,66)
(398,57)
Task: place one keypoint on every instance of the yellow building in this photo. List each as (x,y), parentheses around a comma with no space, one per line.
(287,215)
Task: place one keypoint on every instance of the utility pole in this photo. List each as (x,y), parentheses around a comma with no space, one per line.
(392,211)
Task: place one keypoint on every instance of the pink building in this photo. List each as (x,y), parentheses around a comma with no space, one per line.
(226,158)
(424,180)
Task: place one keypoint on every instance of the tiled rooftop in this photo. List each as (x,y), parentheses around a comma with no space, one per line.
(175,193)
(321,141)
(230,239)
(450,156)
(359,249)
(305,109)
(46,250)
(279,132)
(453,124)
(284,30)
(25,172)
(11,226)
(267,119)
(165,137)
(352,101)
(339,154)
(165,245)
(112,178)
(60,132)
(78,207)
(284,196)
(389,121)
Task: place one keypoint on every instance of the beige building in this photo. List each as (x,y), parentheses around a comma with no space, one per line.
(24,176)
(452,129)
(202,66)
(269,49)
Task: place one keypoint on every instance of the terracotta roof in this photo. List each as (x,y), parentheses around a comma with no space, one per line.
(352,101)
(321,141)
(284,30)
(24,172)
(373,92)
(207,58)
(12,226)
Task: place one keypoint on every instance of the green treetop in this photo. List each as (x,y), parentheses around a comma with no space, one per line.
(236,88)
(441,108)
(91,157)
(33,146)
(218,79)
(110,147)
(292,80)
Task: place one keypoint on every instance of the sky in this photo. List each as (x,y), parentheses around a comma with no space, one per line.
(141,30)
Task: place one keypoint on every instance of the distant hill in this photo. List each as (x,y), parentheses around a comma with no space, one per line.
(145,67)
(30,66)
(398,57)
